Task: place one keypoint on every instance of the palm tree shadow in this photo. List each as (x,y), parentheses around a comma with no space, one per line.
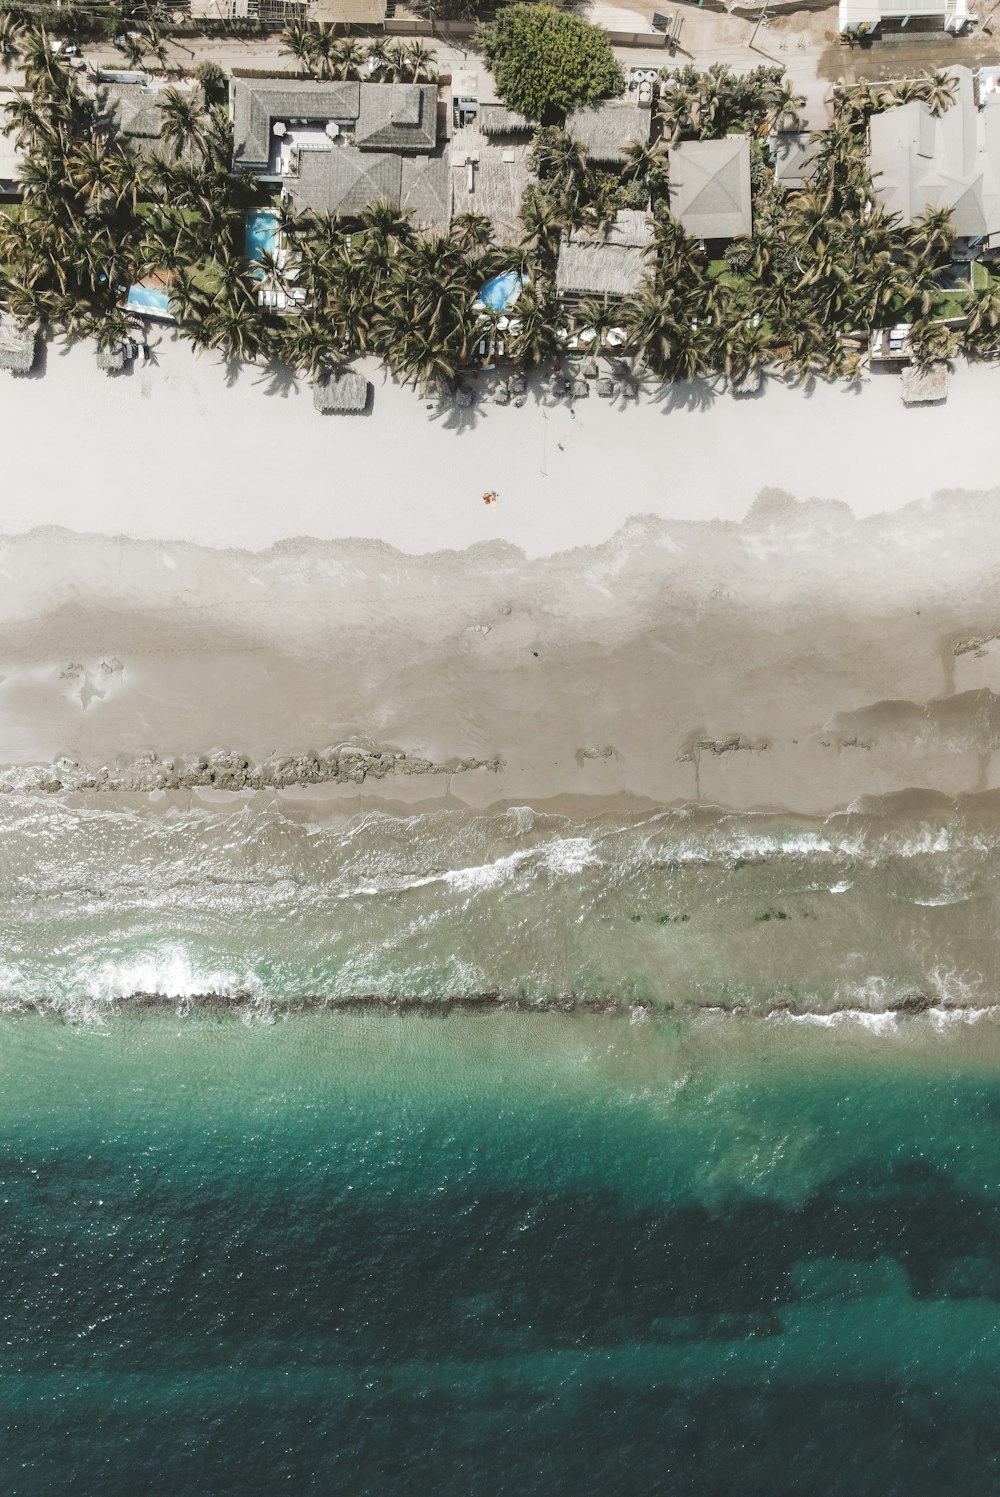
(697,394)
(233,368)
(457,418)
(277,379)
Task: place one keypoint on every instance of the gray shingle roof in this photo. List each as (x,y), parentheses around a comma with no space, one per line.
(710,187)
(343,181)
(426,190)
(397,116)
(953,162)
(794,158)
(605,128)
(257,102)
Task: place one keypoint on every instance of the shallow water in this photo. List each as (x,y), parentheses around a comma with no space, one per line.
(688,907)
(526,1254)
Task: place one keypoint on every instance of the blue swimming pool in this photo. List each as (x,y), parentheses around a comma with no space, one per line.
(261,234)
(149,301)
(500,294)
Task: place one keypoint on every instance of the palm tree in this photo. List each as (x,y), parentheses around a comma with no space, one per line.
(384,222)
(658,330)
(307,347)
(982,329)
(471,230)
(543,224)
(645,162)
(397,61)
(938,91)
(11,33)
(298,40)
(348,59)
(421,62)
(598,315)
(182,123)
(932,235)
(932,342)
(533,328)
(134,48)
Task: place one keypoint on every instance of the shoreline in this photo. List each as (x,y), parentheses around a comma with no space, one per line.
(175,452)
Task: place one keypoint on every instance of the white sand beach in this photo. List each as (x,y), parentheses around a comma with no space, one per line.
(175,452)
(191,569)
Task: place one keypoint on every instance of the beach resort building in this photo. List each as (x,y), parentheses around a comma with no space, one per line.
(611,266)
(489,150)
(866,17)
(918,161)
(607,129)
(710,188)
(338,147)
(10,152)
(794,155)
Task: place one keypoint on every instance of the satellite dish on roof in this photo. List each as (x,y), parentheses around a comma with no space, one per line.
(278,128)
(332,129)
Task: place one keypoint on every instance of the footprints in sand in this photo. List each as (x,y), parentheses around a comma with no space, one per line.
(86,684)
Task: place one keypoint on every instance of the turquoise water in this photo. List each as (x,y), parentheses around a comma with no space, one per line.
(518,1254)
(502,292)
(261,233)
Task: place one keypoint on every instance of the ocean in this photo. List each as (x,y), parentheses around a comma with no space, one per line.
(704,1201)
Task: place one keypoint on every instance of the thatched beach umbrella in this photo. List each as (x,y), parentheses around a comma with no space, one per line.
(580,389)
(560,385)
(518,384)
(18,342)
(111,359)
(606,387)
(502,396)
(464,398)
(343,392)
(590,370)
(750,383)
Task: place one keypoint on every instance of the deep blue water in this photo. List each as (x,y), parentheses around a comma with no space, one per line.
(364,1254)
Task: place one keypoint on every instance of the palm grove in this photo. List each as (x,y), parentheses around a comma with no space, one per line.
(821,262)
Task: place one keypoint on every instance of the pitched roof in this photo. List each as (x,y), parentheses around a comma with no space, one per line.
(710,187)
(613,266)
(397,116)
(794,158)
(343,181)
(257,102)
(605,129)
(426,189)
(953,162)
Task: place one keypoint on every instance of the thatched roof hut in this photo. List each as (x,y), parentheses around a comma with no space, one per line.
(18,342)
(926,385)
(750,383)
(343,391)
(497,119)
(612,265)
(111,359)
(605,129)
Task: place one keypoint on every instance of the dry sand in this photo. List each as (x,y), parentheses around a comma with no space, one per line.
(175,453)
(554,646)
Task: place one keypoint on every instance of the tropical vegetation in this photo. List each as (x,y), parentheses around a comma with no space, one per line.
(545,61)
(823,264)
